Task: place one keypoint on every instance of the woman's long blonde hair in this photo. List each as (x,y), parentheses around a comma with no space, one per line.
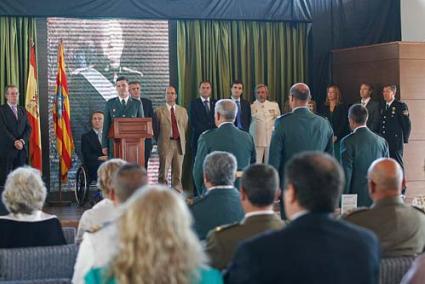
(157,244)
(338,95)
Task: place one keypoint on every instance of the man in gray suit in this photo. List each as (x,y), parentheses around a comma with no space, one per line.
(358,151)
(372,106)
(298,131)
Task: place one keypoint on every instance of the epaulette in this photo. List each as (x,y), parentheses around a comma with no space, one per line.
(225,227)
(208,131)
(285,115)
(419,209)
(355,211)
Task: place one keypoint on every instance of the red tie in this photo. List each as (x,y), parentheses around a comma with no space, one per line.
(175,129)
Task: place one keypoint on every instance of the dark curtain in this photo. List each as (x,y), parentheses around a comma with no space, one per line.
(273,53)
(347,23)
(15,36)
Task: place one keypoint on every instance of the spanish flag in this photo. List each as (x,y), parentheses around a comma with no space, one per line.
(62,117)
(32,107)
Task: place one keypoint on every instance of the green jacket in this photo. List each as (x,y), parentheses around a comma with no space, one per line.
(226,138)
(358,150)
(114,109)
(399,227)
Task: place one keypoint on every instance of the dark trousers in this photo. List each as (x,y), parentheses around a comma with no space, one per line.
(397,154)
(10,161)
(148,150)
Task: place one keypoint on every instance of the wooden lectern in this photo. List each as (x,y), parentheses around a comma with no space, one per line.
(128,136)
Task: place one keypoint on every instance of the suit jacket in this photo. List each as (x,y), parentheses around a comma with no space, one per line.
(226,138)
(91,149)
(147,112)
(338,119)
(295,132)
(12,129)
(358,151)
(374,115)
(263,118)
(399,227)
(114,109)
(314,248)
(245,115)
(217,207)
(162,127)
(200,120)
(223,241)
(395,125)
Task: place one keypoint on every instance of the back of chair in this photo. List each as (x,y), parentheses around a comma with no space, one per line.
(69,234)
(394,268)
(38,263)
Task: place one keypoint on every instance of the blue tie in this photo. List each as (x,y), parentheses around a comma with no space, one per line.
(238,116)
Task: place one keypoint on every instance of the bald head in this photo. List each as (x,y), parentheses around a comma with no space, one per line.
(385,178)
(225,110)
(300,91)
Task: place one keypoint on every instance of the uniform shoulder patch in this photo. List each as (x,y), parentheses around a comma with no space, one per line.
(355,211)
(226,227)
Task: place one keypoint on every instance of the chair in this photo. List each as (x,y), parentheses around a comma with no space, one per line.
(393,269)
(38,264)
(69,234)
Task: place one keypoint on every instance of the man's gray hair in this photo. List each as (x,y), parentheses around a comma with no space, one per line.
(300,91)
(24,191)
(227,109)
(220,168)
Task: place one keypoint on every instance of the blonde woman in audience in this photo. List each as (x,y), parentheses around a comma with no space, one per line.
(26,225)
(156,244)
(104,211)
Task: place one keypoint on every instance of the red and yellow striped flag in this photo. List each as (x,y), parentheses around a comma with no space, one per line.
(32,107)
(62,117)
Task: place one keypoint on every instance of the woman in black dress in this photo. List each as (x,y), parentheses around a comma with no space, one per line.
(26,225)
(336,112)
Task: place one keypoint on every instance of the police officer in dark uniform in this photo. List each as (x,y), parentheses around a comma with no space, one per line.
(395,123)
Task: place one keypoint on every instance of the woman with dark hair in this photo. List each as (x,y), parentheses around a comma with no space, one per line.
(336,112)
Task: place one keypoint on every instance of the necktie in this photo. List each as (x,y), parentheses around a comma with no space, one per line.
(174,128)
(99,136)
(387,107)
(15,111)
(207,106)
(238,115)
(123,102)
(363,103)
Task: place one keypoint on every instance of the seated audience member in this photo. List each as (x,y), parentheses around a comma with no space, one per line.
(259,185)
(416,273)
(156,244)
(220,204)
(359,150)
(26,225)
(314,247)
(103,211)
(400,228)
(99,247)
(91,146)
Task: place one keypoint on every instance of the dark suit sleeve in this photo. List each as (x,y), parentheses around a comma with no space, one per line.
(330,145)
(253,151)
(243,268)
(215,251)
(89,155)
(147,108)
(3,128)
(201,152)
(276,147)
(405,122)
(374,117)
(347,164)
(106,126)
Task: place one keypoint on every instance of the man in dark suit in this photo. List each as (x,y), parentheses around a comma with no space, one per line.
(358,151)
(135,88)
(201,114)
(121,106)
(298,131)
(259,184)
(372,106)
(243,116)
(220,205)
(91,147)
(314,247)
(395,123)
(226,137)
(15,131)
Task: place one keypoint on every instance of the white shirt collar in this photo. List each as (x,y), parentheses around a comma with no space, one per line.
(298,215)
(35,216)
(13,105)
(389,103)
(235,100)
(295,108)
(203,99)
(125,99)
(97,131)
(365,101)
(220,186)
(170,106)
(362,126)
(223,123)
(259,212)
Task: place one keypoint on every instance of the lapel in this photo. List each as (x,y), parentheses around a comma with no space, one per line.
(11,114)
(95,139)
(167,113)
(203,107)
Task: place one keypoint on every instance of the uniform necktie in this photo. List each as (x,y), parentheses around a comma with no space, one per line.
(123,102)
(174,128)
(387,106)
(15,111)
(238,116)
(207,106)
